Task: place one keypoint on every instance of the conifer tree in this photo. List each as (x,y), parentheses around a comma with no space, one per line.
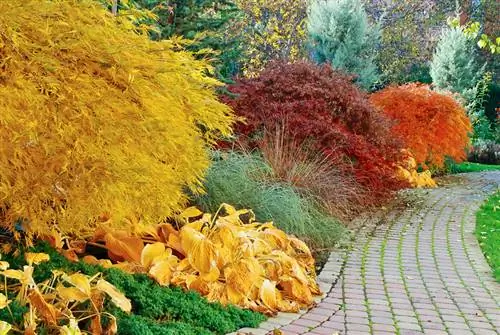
(212,23)
(342,36)
(454,66)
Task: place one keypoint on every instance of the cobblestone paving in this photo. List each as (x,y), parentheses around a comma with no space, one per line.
(420,271)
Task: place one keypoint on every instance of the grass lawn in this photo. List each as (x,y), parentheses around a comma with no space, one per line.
(488,232)
(472,167)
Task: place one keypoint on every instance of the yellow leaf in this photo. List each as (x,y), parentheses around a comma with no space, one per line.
(244,275)
(118,298)
(36,258)
(212,275)
(126,248)
(5,327)
(150,252)
(161,272)
(14,274)
(190,213)
(297,291)
(47,311)
(3,301)
(267,293)
(80,281)
(4,265)
(71,294)
(72,329)
(200,251)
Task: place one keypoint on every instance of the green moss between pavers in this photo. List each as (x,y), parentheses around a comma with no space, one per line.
(155,309)
(488,232)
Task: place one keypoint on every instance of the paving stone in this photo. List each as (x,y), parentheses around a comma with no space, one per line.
(444,277)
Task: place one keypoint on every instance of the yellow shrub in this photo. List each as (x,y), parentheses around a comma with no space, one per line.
(96,118)
(407,171)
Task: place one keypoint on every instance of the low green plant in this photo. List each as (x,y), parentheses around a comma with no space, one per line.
(155,309)
(488,232)
(245,181)
(466,167)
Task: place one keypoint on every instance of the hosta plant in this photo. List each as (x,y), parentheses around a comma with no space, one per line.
(227,257)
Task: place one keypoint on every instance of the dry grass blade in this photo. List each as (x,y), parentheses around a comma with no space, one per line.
(313,173)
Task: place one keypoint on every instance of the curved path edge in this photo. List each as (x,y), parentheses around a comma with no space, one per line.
(417,271)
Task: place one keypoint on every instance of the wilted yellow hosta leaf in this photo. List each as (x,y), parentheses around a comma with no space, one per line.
(14,274)
(268,294)
(151,252)
(201,252)
(294,289)
(5,327)
(244,275)
(190,213)
(36,258)
(79,281)
(4,265)
(211,276)
(25,276)
(3,301)
(161,272)
(124,248)
(71,294)
(118,298)
(71,329)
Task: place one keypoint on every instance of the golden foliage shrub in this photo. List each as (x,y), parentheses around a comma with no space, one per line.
(96,118)
(407,171)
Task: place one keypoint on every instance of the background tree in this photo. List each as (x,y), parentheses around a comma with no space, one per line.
(273,30)
(212,24)
(455,67)
(410,31)
(342,36)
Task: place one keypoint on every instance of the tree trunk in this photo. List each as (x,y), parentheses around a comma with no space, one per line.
(114,8)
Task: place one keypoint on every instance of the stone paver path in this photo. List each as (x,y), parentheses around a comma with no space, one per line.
(418,271)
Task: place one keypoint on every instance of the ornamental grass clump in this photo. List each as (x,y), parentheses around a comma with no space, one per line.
(97,120)
(247,181)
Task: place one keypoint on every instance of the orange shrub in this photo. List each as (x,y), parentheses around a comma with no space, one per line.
(433,124)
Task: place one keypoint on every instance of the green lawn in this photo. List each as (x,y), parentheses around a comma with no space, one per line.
(472,167)
(488,232)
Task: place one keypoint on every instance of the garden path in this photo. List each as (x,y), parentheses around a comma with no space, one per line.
(418,271)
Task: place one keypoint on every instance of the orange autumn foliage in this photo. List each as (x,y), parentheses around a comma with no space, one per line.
(432,124)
